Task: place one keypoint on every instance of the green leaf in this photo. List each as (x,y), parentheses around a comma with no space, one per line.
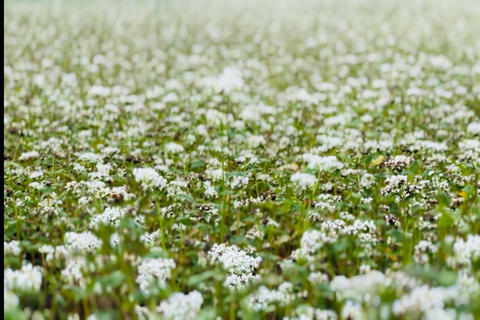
(445,221)
(286,206)
(13,314)
(268,256)
(447,278)
(113,280)
(185,197)
(206,314)
(444,199)
(197,164)
(202,277)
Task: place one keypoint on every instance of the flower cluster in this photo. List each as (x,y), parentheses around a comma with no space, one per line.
(239,264)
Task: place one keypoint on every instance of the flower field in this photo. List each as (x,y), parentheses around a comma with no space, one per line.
(293,160)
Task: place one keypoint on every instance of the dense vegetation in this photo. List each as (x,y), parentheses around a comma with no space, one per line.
(242,160)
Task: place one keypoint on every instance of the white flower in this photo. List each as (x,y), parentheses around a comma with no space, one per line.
(27,279)
(36,174)
(327,163)
(154,272)
(465,251)
(318,277)
(12,247)
(304,180)
(229,80)
(109,216)
(72,274)
(36,185)
(210,191)
(10,300)
(180,306)
(29,155)
(83,242)
(237,262)
(149,177)
(90,157)
(174,147)
(78,168)
(352,310)
(313,240)
(474,128)
(239,181)
(264,297)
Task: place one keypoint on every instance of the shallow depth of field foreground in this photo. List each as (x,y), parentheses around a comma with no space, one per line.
(291,160)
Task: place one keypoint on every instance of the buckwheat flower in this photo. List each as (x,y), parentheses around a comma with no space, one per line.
(84,200)
(444,314)
(149,177)
(312,241)
(170,97)
(432,146)
(78,168)
(36,174)
(327,163)
(260,300)
(318,277)
(10,299)
(264,297)
(161,168)
(154,272)
(94,186)
(421,250)
(120,193)
(325,315)
(48,250)
(111,216)
(27,279)
(83,242)
(254,141)
(352,310)
(181,306)
(465,251)
(254,233)
(114,239)
(366,200)
(72,274)
(368,180)
(238,263)
(36,185)
(102,173)
(474,128)
(230,79)
(11,248)
(393,184)
(210,191)
(470,144)
(109,150)
(214,174)
(424,299)
(90,157)
(364,268)
(149,237)
(201,130)
(238,181)
(304,180)
(356,287)
(73,316)
(29,155)
(174,147)
(398,162)
(99,91)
